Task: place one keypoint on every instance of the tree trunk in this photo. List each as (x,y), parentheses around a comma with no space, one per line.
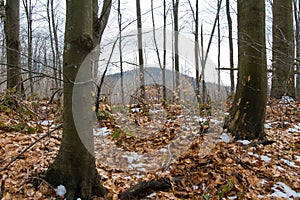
(247,114)
(229,21)
(283,49)
(12,31)
(165,53)
(28,12)
(176,56)
(140,48)
(54,67)
(197,52)
(56,44)
(74,166)
(297,45)
(120,50)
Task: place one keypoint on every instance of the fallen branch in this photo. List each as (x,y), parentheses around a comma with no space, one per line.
(264,142)
(143,189)
(31,145)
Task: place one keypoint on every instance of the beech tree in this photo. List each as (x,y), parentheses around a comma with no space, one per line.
(283,49)
(247,114)
(140,47)
(12,32)
(74,166)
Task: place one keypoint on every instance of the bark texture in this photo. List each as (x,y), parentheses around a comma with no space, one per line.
(12,32)
(74,166)
(247,114)
(283,49)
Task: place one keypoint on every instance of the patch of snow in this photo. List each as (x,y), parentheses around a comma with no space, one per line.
(61,190)
(151,195)
(46,122)
(217,122)
(226,113)
(232,197)
(284,191)
(132,157)
(266,158)
(225,138)
(267,125)
(296,129)
(200,119)
(253,154)
(290,163)
(287,99)
(195,187)
(135,110)
(263,181)
(244,142)
(44,107)
(281,169)
(298,158)
(104,131)
(154,111)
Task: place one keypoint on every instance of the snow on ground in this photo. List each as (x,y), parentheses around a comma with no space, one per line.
(282,190)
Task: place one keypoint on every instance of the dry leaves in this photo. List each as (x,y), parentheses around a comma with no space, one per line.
(226,170)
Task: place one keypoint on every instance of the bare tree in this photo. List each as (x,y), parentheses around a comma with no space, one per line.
(74,166)
(283,49)
(140,48)
(28,11)
(12,31)
(247,114)
(229,21)
(176,47)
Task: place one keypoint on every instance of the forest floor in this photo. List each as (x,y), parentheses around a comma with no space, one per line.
(214,166)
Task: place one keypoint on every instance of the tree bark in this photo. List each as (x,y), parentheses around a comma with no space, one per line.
(229,21)
(74,166)
(283,49)
(165,52)
(140,48)
(28,12)
(12,32)
(247,114)
(176,48)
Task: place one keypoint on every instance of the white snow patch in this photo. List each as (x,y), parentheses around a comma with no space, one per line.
(253,154)
(266,158)
(104,131)
(263,181)
(61,190)
(290,163)
(244,142)
(195,187)
(225,138)
(132,157)
(215,121)
(154,111)
(200,119)
(282,190)
(281,169)
(46,122)
(298,158)
(268,125)
(135,110)
(296,129)
(287,99)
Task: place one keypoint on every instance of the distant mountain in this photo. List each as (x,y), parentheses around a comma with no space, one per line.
(153,76)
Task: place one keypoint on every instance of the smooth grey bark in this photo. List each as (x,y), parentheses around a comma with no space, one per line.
(12,32)
(282,49)
(247,114)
